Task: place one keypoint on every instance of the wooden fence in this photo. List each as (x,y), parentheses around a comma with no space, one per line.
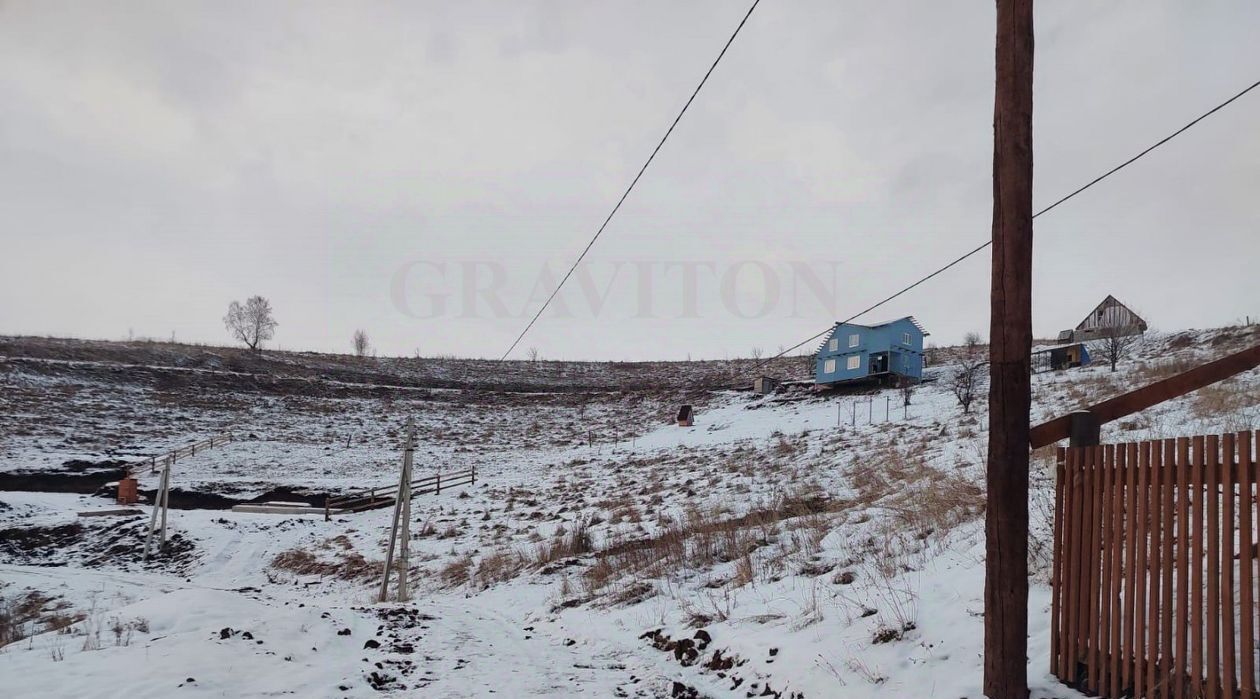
(372,498)
(157,463)
(1154,568)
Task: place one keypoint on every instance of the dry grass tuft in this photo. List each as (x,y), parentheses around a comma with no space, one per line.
(346,565)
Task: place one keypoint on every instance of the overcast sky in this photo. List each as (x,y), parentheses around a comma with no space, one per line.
(426,171)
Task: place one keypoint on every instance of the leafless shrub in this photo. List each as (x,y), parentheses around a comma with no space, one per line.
(966,377)
(361,344)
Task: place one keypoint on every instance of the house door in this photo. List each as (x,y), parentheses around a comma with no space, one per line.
(879,363)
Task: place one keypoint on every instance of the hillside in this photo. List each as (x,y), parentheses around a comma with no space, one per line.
(790,545)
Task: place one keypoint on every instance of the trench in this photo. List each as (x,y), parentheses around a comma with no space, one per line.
(95,478)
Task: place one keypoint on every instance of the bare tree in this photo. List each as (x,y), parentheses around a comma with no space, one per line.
(756,353)
(361,344)
(967,375)
(1114,344)
(533,354)
(907,391)
(251,323)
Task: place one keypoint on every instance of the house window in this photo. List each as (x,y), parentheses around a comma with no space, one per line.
(855,362)
(854,339)
(833,345)
(905,338)
(829,367)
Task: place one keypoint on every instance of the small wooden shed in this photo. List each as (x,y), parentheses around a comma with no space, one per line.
(1059,358)
(764,385)
(686,416)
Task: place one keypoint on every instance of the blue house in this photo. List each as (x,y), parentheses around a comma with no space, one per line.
(882,352)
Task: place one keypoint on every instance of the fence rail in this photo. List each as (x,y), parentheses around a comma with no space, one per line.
(157,463)
(1154,578)
(371,498)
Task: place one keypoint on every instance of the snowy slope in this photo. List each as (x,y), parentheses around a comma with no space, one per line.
(795,548)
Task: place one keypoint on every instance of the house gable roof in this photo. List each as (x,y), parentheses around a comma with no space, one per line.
(873,326)
(1110,302)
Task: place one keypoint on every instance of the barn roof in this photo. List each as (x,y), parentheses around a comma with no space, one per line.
(1109,302)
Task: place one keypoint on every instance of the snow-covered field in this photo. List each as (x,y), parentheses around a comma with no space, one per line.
(790,545)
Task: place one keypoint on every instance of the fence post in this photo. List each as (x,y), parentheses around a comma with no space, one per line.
(327,516)
(1086,429)
(439,484)
(474,474)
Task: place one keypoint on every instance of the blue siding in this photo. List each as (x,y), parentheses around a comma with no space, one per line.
(901,340)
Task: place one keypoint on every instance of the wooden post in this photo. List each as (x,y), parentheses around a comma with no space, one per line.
(166,504)
(1086,429)
(404,493)
(438,490)
(327,515)
(1010,337)
(404,486)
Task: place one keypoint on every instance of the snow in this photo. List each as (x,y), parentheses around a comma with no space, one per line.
(874,590)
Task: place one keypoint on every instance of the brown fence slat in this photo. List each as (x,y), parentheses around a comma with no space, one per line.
(1247,629)
(1130,578)
(1140,569)
(1107,662)
(1169,463)
(1056,562)
(1213,613)
(1094,597)
(1227,566)
(1196,566)
(1071,534)
(1117,565)
(1184,525)
(1155,517)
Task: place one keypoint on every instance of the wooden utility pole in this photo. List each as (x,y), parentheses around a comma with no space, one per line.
(1010,332)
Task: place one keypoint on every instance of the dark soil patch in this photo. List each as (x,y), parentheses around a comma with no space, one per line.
(77,476)
(39,542)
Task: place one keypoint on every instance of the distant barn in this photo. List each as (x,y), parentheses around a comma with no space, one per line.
(884,352)
(1110,318)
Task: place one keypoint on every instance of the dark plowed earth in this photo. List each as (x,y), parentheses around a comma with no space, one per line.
(74,477)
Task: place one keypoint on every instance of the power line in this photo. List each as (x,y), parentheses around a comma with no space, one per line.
(635,181)
(989,242)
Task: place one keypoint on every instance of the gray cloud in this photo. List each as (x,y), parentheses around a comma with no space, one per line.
(158,160)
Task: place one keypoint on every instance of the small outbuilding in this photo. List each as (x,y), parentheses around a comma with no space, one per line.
(686,416)
(764,385)
(1060,358)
